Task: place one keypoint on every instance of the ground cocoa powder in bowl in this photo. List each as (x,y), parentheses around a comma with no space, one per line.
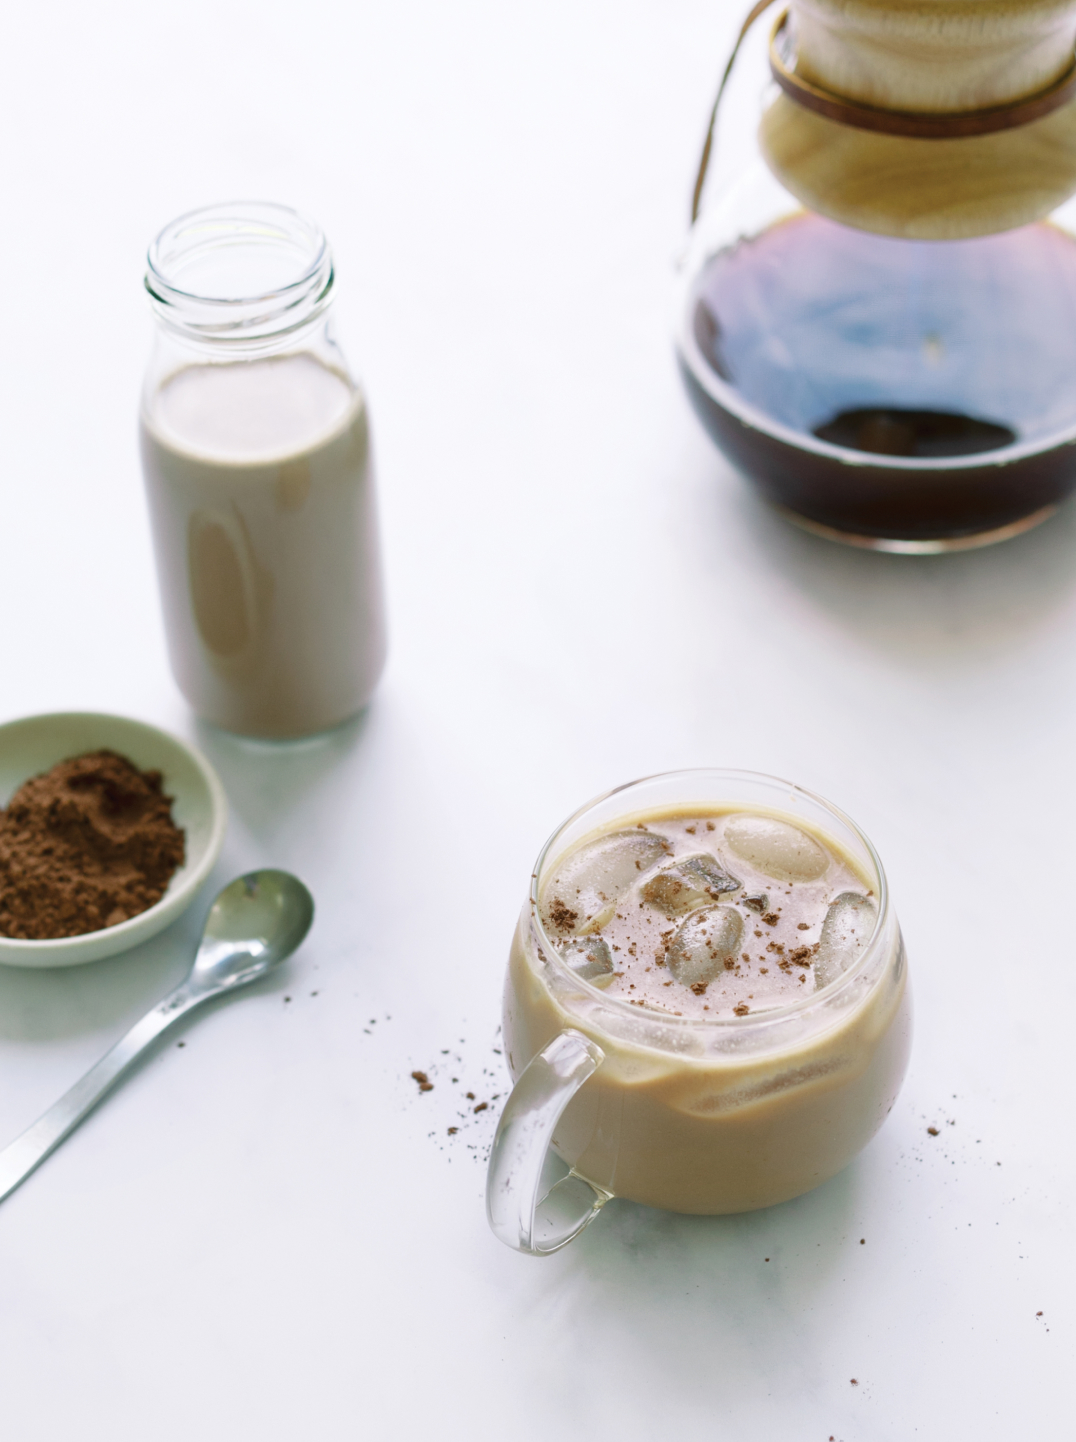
(84,846)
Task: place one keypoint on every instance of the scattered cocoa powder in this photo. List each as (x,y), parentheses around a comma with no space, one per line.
(562,917)
(86,845)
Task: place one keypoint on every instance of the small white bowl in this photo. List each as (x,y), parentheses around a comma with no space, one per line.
(37,743)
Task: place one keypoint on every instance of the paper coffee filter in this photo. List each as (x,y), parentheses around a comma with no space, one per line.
(927,57)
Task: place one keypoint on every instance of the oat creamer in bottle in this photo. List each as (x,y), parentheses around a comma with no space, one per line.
(259,477)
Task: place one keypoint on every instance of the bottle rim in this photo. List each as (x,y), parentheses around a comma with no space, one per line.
(239,315)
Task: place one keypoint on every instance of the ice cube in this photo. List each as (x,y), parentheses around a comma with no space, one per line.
(589,957)
(775,848)
(687,882)
(703,943)
(586,887)
(848,926)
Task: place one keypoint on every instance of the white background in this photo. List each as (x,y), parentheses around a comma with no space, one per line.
(268,1234)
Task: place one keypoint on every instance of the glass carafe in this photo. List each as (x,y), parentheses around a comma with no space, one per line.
(877,320)
(258,473)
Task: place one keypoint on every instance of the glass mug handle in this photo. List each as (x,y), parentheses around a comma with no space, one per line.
(526,1208)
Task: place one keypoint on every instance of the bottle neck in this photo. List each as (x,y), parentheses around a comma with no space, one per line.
(241,280)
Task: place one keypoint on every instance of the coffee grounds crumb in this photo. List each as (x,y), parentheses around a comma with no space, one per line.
(803,926)
(932,1132)
(771,918)
(424,1083)
(481,1107)
(452,1131)
(562,917)
(855,1382)
(183,1043)
(699,987)
(862,1241)
(85,846)
(741,1009)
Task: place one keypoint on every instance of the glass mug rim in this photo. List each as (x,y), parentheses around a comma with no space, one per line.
(736,1025)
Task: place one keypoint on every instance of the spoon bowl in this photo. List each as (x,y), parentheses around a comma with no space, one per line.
(255,922)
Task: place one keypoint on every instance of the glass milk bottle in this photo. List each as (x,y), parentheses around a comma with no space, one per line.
(259,478)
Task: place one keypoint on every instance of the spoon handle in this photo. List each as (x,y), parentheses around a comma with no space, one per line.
(25,1153)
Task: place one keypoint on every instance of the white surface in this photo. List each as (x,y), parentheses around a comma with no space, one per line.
(268,1234)
(34,744)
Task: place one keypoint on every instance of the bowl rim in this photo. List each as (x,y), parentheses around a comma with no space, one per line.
(56,950)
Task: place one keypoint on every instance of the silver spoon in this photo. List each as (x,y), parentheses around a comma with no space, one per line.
(255,922)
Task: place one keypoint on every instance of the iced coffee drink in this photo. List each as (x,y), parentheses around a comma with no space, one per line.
(721,947)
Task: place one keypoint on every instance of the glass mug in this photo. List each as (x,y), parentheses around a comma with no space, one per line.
(687,1113)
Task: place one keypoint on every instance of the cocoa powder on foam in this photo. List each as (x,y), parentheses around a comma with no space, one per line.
(86,845)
